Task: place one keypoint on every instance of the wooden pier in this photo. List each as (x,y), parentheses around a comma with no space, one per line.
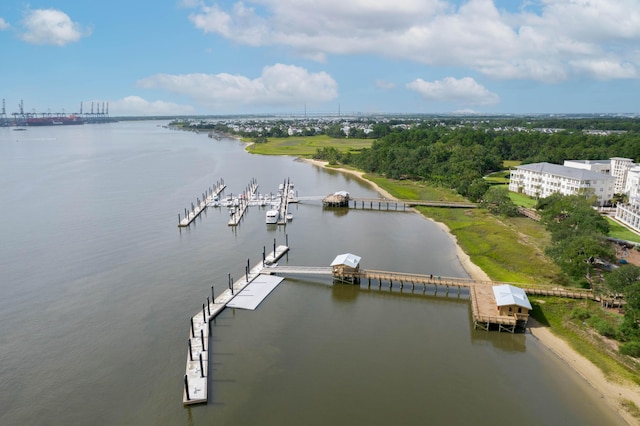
(244,203)
(483,302)
(402,205)
(197,371)
(199,206)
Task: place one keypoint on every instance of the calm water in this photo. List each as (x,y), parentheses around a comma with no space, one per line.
(97,285)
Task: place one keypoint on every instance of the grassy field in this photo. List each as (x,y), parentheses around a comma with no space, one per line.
(507,249)
(618,231)
(306,146)
(522,200)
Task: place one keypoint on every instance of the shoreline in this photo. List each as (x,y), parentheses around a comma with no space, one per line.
(612,393)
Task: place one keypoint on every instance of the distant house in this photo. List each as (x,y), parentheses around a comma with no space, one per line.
(512,301)
(345,264)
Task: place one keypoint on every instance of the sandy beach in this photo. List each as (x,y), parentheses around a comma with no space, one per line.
(613,393)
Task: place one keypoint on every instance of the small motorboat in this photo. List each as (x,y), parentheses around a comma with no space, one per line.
(289,216)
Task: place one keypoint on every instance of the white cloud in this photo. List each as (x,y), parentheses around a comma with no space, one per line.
(279,85)
(135,105)
(51,26)
(550,42)
(383,84)
(464,91)
(4,25)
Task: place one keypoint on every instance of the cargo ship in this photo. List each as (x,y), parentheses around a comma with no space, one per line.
(54,121)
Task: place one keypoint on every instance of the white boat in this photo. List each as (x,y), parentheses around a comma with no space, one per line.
(289,216)
(272,216)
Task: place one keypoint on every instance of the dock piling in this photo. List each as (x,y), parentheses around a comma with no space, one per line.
(204,317)
(201,367)
(186,387)
(202,339)
(193,330)
(190,351)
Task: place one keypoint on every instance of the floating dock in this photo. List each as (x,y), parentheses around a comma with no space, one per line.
(244,203)
(197,372)
(199,206)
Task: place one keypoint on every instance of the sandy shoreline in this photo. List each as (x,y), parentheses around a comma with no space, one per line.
(613,393)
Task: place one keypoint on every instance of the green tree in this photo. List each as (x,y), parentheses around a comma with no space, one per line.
(497,200)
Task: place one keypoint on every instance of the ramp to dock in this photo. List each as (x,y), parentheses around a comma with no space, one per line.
(254,293)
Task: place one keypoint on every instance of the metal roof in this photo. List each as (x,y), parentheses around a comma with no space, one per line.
(509,295)
(347,259)
(565,171)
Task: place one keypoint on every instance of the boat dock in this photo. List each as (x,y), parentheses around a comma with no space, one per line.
(197,373)
(284,202)
(402,205)
(199,206)
(483,302)
(244,202)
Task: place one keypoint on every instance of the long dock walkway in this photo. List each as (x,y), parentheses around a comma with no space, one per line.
(244,203)
(402,204)
(483,302)
(199,206)
(196,373)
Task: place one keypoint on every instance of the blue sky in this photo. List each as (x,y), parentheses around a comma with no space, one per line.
(174,57)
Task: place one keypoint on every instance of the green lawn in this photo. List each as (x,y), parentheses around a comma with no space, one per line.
(306,146)
(618,231)
(522,200)
(498,177)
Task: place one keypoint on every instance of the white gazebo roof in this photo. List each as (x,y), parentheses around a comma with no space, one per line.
(347,259)
(509,295)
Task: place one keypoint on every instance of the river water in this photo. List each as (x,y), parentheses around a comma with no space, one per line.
(98,283)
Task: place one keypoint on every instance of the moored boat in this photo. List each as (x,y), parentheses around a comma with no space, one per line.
(272,216)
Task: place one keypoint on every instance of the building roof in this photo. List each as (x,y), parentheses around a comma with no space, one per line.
(601,162)
(347,259)
(509,295)
(565,171)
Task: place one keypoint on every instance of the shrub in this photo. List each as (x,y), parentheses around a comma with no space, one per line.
(580,314)
(631,349)
(602,327)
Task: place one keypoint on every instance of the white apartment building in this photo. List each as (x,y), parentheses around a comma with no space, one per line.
(619,168)
(539,180)
(629,213)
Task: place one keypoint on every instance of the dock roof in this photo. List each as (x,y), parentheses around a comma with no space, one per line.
(509,295)
(347,259)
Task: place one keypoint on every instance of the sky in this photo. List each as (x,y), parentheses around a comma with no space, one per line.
(202,57)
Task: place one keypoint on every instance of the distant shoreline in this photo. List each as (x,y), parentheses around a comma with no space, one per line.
(611,392)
